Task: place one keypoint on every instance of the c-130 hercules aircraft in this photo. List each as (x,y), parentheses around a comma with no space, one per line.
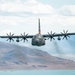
(38,39)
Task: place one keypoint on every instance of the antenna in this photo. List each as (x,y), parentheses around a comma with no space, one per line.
(39,28)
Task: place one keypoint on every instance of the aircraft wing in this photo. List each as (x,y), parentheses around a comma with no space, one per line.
(24,36)
(58,35)
(21,37)
(64,35)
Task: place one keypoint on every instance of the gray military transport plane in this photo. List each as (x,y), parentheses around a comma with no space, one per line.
(38,39)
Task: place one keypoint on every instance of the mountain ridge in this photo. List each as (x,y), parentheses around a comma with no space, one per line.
(20,57)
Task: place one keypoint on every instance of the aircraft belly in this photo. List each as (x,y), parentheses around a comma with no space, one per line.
(38,42)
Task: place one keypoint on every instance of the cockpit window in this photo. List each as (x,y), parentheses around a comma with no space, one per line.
(38,36)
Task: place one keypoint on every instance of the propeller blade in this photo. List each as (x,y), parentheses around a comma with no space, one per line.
(26,40)
(51,32)
(53,38)
(23,40)
(7,34)
(26,34)
(48,33)
(7,39)
(66,31)
(12,35)
(21,35)
(12,39)
(63,38)
(68,36)
(50,39)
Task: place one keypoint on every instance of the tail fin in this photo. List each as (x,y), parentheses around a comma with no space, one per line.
(39,28)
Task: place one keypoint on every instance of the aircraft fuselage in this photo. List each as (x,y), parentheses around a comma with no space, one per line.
(38,40)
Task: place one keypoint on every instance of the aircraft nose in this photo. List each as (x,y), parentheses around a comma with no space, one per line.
(37,41)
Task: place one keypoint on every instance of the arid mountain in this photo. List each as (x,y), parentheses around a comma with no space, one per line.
(21,58)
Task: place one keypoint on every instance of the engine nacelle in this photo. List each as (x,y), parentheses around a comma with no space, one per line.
(59,38)
(17,40)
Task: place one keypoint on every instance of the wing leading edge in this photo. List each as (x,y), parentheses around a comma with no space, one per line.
(17,36)
(58,35)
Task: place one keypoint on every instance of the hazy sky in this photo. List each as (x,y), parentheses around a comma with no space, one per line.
(20,16)
(58,3)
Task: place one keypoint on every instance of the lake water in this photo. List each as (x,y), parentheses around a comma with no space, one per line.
(39,72)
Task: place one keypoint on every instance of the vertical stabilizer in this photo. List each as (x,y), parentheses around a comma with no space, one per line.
(39,26)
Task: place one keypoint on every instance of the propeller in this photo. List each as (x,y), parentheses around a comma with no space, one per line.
(24,37)
(65,34)
(10,37)
(51,36)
